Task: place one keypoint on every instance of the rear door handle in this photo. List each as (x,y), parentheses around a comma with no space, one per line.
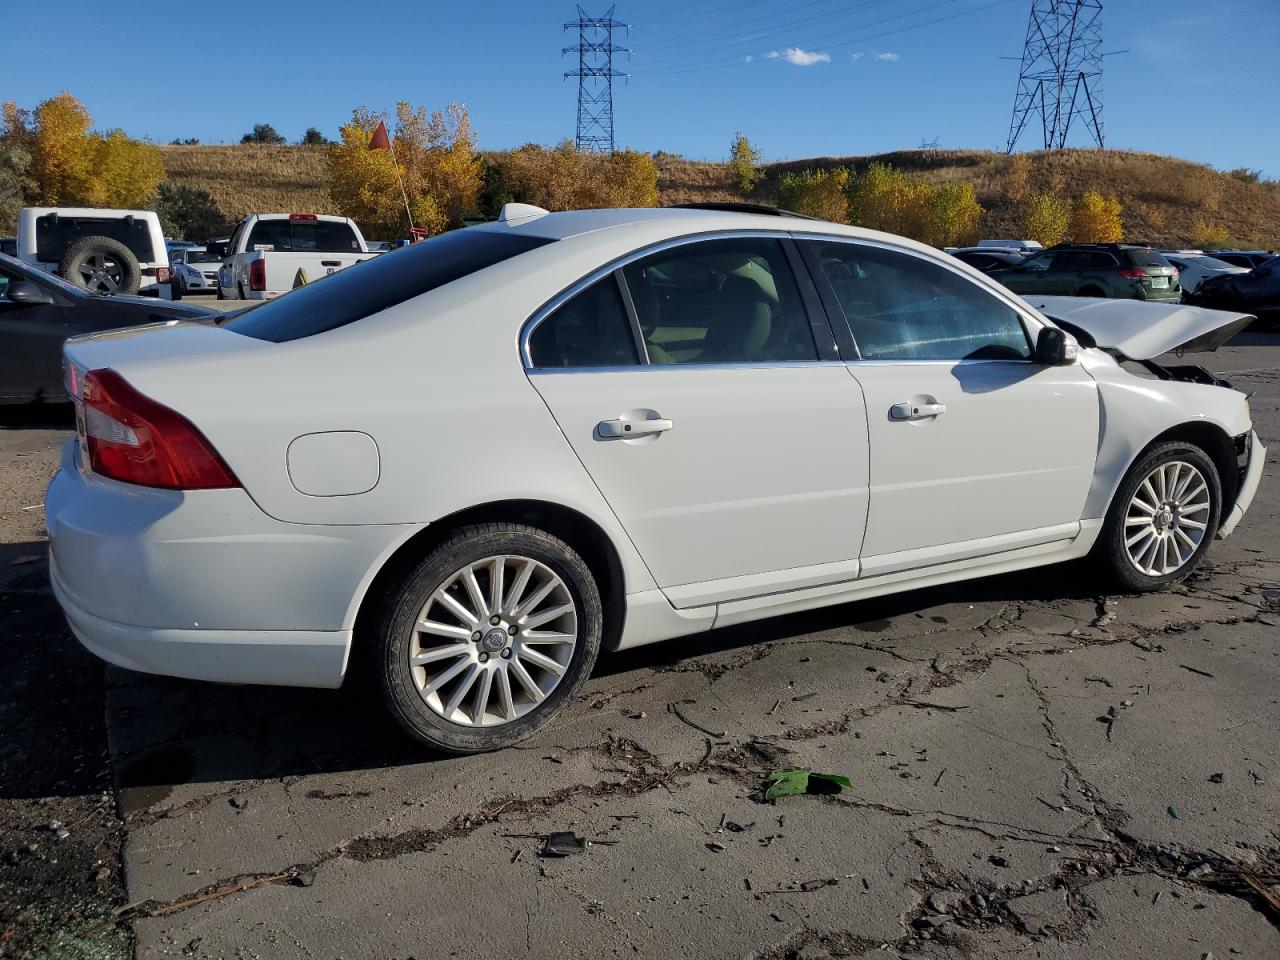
(916,411)
(626,429)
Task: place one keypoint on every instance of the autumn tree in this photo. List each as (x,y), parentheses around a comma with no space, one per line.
(1096,219)
(67,163)
(956,219)
(744,163)
(1017,179)
(1045,219)
(1209,236)
(16,182)
(816,193)
(436,158)
(566,178)
(313,138)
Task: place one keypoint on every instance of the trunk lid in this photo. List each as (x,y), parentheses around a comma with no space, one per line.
(1139,330)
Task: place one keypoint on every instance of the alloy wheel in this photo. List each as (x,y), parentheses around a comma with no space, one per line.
(101,274)
(1167,518)
(493,641)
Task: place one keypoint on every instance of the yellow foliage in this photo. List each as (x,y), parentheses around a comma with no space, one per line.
(124,173)
(70,165)
(1208,237)
(817,193)
(1017,179)
(884,198)
(565,178)
(1045,219)
(744,163)
(1095,219)
(436,159)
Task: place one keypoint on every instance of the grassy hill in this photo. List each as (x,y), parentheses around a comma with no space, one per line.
(1163,197)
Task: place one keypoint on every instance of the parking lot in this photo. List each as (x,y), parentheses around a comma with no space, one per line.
(1037,769)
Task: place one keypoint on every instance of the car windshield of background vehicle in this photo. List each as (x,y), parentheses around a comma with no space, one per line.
(55,232)
(303,236)
(382,282)
(721,301)
(202,256)
(903,307)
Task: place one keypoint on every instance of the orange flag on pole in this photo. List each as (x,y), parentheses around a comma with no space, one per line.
(379,140)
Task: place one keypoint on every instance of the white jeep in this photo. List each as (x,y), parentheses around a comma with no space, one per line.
(104,251)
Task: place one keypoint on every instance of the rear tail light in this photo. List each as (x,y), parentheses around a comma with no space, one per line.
(1133,273)
(162,274)
(258,275)
(133,439)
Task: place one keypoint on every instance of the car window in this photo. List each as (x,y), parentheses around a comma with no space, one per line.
(589,330)
(6,278)
(384,281)
(1040,261)
(1100,260)
(1140,257)
(731,300)
(55,232)
(316,236)
(904,307)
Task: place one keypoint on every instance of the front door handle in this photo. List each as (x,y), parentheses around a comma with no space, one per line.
(628,429)
(916,411)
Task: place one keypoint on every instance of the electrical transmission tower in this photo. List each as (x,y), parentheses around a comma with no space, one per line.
(1061,76)
(595,75)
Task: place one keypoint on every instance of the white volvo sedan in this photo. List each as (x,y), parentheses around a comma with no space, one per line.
(480,459)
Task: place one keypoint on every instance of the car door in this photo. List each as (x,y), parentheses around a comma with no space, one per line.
(975,447)
(1030,276)
(726,436)
(31,335)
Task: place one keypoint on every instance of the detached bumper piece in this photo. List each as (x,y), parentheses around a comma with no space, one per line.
(1251,455)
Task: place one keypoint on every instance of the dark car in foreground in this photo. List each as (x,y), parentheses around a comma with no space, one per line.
(38,311)
(1256,292)
(1123,271)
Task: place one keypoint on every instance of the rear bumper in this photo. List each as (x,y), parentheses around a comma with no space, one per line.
(1248,487)
(205,585)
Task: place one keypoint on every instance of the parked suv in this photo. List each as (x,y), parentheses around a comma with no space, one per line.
(1118,270)
(103,251)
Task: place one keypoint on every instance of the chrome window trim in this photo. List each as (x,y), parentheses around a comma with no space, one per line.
(619,263)
(1023,309)
(761,365)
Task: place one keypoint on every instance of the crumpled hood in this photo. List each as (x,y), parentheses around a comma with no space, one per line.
(1142,330)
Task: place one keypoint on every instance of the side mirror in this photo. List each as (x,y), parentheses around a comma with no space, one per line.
(1054,348)
(28,294)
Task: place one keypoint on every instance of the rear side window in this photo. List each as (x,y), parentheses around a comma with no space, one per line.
(391,278)
(54,233)
(303,236)
(590,330)
(1146,258)
(903,307)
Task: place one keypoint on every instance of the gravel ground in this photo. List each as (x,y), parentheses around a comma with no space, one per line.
(1038,769)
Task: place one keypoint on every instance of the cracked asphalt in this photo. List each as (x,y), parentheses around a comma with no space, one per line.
(1038,769)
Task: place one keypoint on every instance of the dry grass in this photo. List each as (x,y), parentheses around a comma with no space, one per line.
(1163,197)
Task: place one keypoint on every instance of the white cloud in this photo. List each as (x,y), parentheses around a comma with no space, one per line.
(855,57)
(748,59)
(801,58)
(891,57)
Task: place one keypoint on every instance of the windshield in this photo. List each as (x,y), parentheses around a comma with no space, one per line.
(202,256)
(310,236)
(382,282)
(1209,263)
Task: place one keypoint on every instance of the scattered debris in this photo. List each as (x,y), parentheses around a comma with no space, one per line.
(938,779)
(675,709)
(239,802)
(715,847)
(766,751)
(1102,680)
(1217,777)
(1173,812)
(304,879)
(1203,673)
(924,705)
(786,783)
(997,861)
(563,844)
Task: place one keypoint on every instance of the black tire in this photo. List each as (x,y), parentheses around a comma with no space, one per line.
(175,288)
(115,270)
(219,294)
(1092,292)
(1111,546)
(395,634)
(240,291)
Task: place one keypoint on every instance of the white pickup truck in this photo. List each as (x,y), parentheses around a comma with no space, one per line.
(267,251)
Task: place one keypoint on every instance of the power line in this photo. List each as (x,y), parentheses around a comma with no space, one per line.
(762,56)
(595,75)
(1060,79)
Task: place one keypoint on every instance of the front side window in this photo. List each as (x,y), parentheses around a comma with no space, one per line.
(1040,262)
(732,300)
(904,307)
(590,329)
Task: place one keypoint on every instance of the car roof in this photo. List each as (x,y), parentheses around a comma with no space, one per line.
(90,212)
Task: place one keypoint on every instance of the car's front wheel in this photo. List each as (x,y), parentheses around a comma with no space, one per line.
(1163,517)
(488,637)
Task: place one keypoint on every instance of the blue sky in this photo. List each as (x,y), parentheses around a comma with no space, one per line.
(1199,79)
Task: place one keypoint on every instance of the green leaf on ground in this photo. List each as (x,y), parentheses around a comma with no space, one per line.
(788,783)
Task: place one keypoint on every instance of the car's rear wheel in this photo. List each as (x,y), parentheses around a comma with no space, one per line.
(1091,292)
(1163,517)
(488,637)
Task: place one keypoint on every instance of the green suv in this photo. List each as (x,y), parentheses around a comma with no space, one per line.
(1118,270)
